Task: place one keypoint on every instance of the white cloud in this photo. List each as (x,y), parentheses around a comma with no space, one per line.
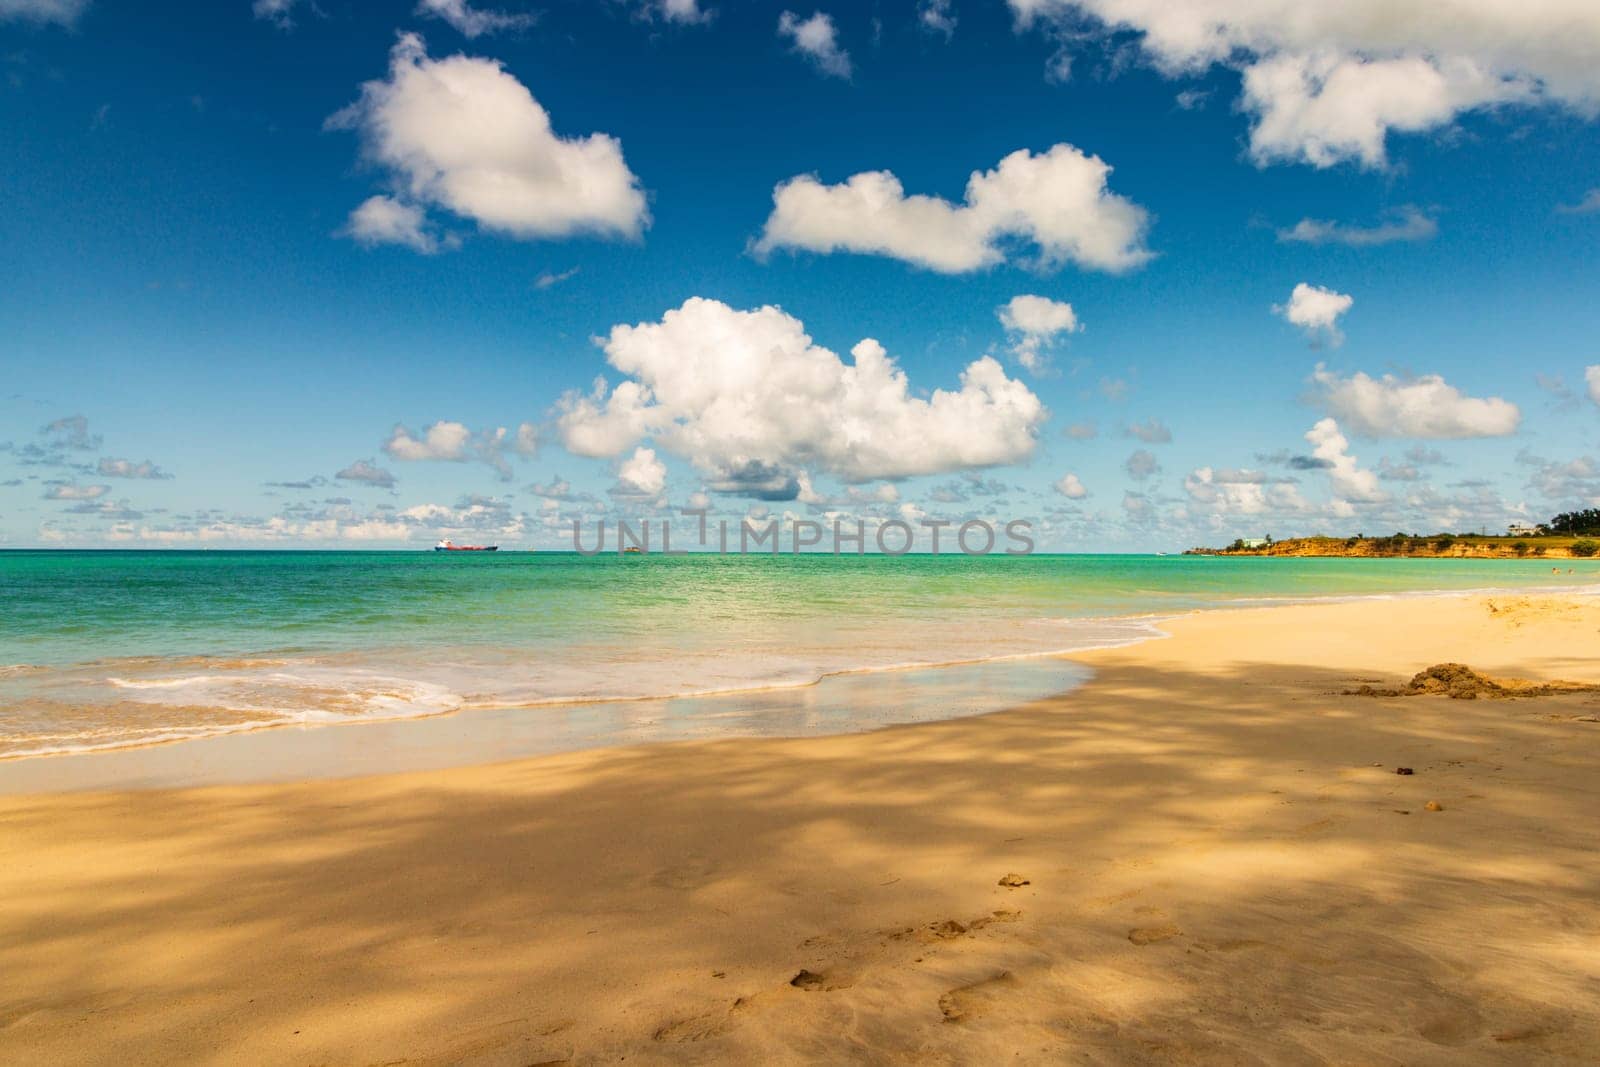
(1142,464)
(683,12)
(368,473)
(1152,431)
(110,467)
(641,474)
(462,134)
(1592,376)
(751,401)
(1327,83)
(1409,224)
(1316,311)
(1588,204)
(453,442)
(1034,323)
(1240,492)
(1322,109)
(441,441)
(1070,487)
(60,12)
(688,11)
(937,16)
(71,432)
(383,220)
(470,21)
(1350,483)
(73,491)
(818,40)
(1058,200)
(550,279)
(280,12)
(1425,407)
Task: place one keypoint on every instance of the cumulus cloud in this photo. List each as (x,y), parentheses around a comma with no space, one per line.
(559,491)
(937,16)
(454,442)
(441,441)
(1152,431)
(1070,487)
(1316,311)
(74,491)
(1409,224)
(43,12)
(1034,323)
(383,220)
(1057,200)
(684,11)
(640,475)
(1322,109)
(367,473)
(1142,464)
(748,398)
(1225,492)
(462,134)
(1326,83)
(110,467)
(278,12)
(1424,407)
(472,22)
(1591,375)
(1563,481)
(1350,483)
(817,39)
(71,432)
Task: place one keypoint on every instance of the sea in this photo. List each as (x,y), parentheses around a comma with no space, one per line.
(114,649)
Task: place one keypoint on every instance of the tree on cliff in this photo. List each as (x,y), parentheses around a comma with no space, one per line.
(1575,523)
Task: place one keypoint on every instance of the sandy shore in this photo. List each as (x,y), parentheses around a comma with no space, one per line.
(1221,866)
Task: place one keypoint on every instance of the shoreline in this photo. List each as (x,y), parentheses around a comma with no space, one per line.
(1150,620)
(1219,860)
(1218,863)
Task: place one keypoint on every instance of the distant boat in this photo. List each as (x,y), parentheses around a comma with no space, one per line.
(633,550)
(448,545)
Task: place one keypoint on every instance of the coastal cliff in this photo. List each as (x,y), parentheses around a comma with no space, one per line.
(1443,546)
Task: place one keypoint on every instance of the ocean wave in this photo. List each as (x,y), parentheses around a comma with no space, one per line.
(145,705)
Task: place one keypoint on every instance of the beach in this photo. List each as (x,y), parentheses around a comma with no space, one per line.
(1203,854)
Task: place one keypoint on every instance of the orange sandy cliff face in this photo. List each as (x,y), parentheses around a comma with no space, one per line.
(1438,546)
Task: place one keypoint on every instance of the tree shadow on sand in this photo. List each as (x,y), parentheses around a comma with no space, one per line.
(1221,867)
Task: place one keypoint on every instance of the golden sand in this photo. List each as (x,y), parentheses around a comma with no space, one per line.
(1204,855)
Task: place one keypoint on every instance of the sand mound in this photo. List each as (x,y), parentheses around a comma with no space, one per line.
(1460,682)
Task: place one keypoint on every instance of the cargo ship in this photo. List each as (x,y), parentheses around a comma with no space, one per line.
(448,545)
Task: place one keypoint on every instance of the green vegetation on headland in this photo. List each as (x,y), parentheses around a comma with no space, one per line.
(1569,535)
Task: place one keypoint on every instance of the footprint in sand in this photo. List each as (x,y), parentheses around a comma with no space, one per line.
(966,1003)
(821,982)
(695,1028)
(706,1025)
(1151,935)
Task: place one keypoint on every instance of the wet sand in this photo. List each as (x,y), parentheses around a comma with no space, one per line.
(1213,861)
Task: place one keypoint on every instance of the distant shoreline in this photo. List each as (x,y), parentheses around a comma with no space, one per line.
(1399,546)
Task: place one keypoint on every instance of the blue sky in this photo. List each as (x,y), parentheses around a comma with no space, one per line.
(183,284)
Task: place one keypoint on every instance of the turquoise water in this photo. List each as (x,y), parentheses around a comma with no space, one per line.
(103,649)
